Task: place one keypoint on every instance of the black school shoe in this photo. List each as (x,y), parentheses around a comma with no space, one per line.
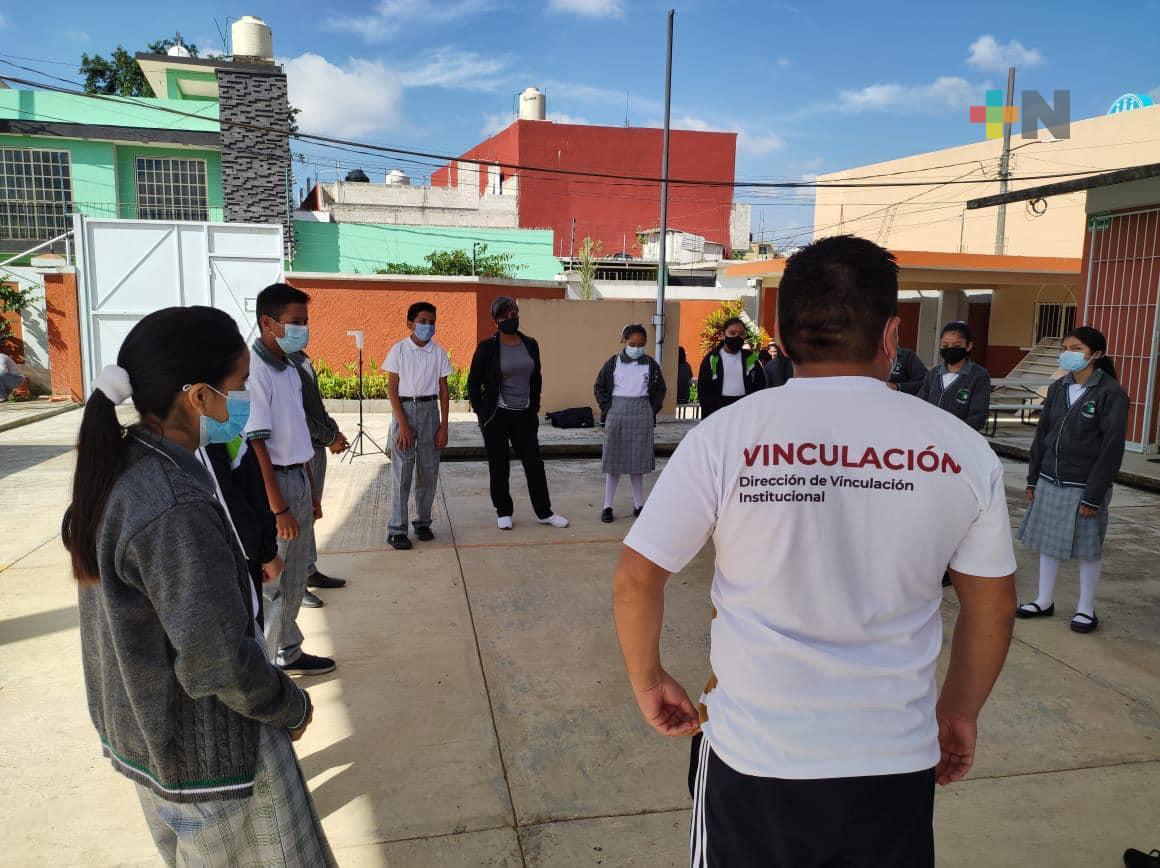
(399,542)
(1138,859)
(1034,610)
(309,664)
(606,515)
(319,580)
(310,601)
(425,534)
(1081,623)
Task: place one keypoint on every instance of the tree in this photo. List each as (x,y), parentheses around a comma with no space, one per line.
(119,74)
(13,299)
(713,331)
(455,263)
(590,253)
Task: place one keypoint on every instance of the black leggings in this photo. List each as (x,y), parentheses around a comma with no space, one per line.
(521,429)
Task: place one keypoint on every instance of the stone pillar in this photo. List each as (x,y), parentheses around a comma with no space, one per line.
(256,163)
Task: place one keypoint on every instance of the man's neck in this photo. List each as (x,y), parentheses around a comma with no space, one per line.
(837,369)
(272,345)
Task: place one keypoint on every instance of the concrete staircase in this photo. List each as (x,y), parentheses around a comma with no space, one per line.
(1039,364)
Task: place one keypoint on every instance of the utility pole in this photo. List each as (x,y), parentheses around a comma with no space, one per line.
(662,277)
(1004,165)
(572,246)
(473,246)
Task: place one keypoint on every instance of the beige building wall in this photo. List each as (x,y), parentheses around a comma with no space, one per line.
(577,337)
(1013,313)
(936,218)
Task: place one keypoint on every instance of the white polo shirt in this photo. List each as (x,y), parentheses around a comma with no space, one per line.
(733,374)
(276,412)
(835,505)
(630,379)
(419,368)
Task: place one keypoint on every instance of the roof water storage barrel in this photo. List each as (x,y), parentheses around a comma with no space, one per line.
(252,40)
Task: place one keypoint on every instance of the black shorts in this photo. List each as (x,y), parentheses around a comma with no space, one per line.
(879,821)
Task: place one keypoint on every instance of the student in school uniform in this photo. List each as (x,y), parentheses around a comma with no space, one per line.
(908,373)
(1078,448)
(326,438)
(417,371)
(779,369)
(729,372)
(958,385)
(630,391)
(280,437)
(684,377)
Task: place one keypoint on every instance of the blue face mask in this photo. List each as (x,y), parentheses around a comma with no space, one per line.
(238,409)
(634,352)
(424,331)
(1073,361)
(295,338)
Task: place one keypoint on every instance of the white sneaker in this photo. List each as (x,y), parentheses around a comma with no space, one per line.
(505,522)
(554,520)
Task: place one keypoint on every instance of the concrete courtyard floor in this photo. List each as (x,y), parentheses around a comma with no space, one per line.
(479,714)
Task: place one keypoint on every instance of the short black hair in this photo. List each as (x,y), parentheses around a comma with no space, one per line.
(502,305)
(732,321)
(631,329)
(275,298)
(835,299)
(961,328)
(420,307)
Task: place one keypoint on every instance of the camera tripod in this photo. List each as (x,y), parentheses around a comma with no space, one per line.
(358,446)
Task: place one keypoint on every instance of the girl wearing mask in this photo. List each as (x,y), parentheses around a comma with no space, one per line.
(958,385)
(729,372)
(179,685)
(1077,451)
(630,391)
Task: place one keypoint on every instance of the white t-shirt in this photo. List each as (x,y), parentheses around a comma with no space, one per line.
(276,412)
(630,379)
(419,368)
(949,377)
(7,366)
(833,519)
(733,374)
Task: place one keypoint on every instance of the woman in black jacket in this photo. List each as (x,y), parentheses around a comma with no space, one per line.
(1077,451)
(630,390)
(504,386)
(729,372)
(958,385)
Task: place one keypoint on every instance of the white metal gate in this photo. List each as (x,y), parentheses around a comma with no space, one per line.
(127,269)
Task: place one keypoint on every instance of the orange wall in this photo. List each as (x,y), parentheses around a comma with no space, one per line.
(693,315)
(64,335)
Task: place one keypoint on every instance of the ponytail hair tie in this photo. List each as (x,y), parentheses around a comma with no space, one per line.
(113,382)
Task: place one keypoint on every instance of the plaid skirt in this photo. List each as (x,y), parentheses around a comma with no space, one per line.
(628,437)
(1054,527)
(276,826)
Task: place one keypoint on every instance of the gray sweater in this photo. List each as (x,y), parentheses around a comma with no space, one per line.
(177,679)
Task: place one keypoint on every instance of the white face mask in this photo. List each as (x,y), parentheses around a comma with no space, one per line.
(634,352)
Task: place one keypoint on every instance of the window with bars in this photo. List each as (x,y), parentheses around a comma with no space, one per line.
(171,189)
(1053,320)
(35,194)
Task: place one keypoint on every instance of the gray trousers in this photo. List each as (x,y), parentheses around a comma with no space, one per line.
(420,462)
(318,469)
(284,597)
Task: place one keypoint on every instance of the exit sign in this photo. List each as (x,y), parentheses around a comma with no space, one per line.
(1099,222)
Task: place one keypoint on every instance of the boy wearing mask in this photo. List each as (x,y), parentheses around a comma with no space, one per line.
(417,370)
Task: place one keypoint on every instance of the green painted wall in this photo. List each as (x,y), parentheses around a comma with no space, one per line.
(127,176)
(94,170)
(362,247)
(40,105)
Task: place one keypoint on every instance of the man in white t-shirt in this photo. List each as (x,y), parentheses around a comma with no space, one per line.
(417,371)
(823,729)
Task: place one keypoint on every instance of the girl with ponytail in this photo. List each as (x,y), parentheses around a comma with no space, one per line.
(1077,451)
(179,686)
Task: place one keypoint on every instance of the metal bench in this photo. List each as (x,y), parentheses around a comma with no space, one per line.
(1024,408)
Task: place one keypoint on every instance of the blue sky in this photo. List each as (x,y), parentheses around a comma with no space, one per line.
(810,87)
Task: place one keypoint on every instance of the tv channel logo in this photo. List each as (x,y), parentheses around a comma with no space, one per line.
(994,113)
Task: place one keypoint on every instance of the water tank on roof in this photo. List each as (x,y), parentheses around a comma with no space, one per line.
(252,40)
(357,176)
(398,178)
(533,105)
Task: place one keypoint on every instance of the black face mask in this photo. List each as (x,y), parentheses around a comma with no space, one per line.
(733,344)
(953,355)
(510,326)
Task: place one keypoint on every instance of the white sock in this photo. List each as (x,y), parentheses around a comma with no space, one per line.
(611,480)
(637,480)
(1089,577)
(1048,570)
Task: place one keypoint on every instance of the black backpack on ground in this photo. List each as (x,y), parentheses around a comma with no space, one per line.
(573,417)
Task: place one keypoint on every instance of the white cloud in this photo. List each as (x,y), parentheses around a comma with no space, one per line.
(602,96)
(391,16)
(783,62)
(689,122)
(990,55)
(1155,93)
(352,100)
(561,118)
(759,144)
(493,123)
(589,8)
(454,68)
(3,20)
(77,36)
(945,93)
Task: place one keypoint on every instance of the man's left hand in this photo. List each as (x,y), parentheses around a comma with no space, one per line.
(441,437)
(317,510)
(667,707)
(1086,511)
(339,444)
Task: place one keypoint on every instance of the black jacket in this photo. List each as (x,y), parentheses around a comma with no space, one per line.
(779,371)
(1081,444)
(606,382)
(968,397)
(711,380)
(483,380)
(684,382)
(909,373)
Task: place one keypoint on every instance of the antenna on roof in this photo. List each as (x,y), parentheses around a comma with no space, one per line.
(627,94)
(221,33)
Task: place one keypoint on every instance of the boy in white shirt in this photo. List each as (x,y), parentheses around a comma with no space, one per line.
(417,370)
(824,732)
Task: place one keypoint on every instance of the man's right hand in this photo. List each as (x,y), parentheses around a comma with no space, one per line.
(1030,494)
(287,526)
(667,707)
(406,438)
(296,734)
(956,741)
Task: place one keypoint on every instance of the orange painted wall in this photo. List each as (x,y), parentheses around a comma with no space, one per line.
(64,335)
(693,315)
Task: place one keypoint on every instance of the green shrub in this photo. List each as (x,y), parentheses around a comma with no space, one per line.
(344,384)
